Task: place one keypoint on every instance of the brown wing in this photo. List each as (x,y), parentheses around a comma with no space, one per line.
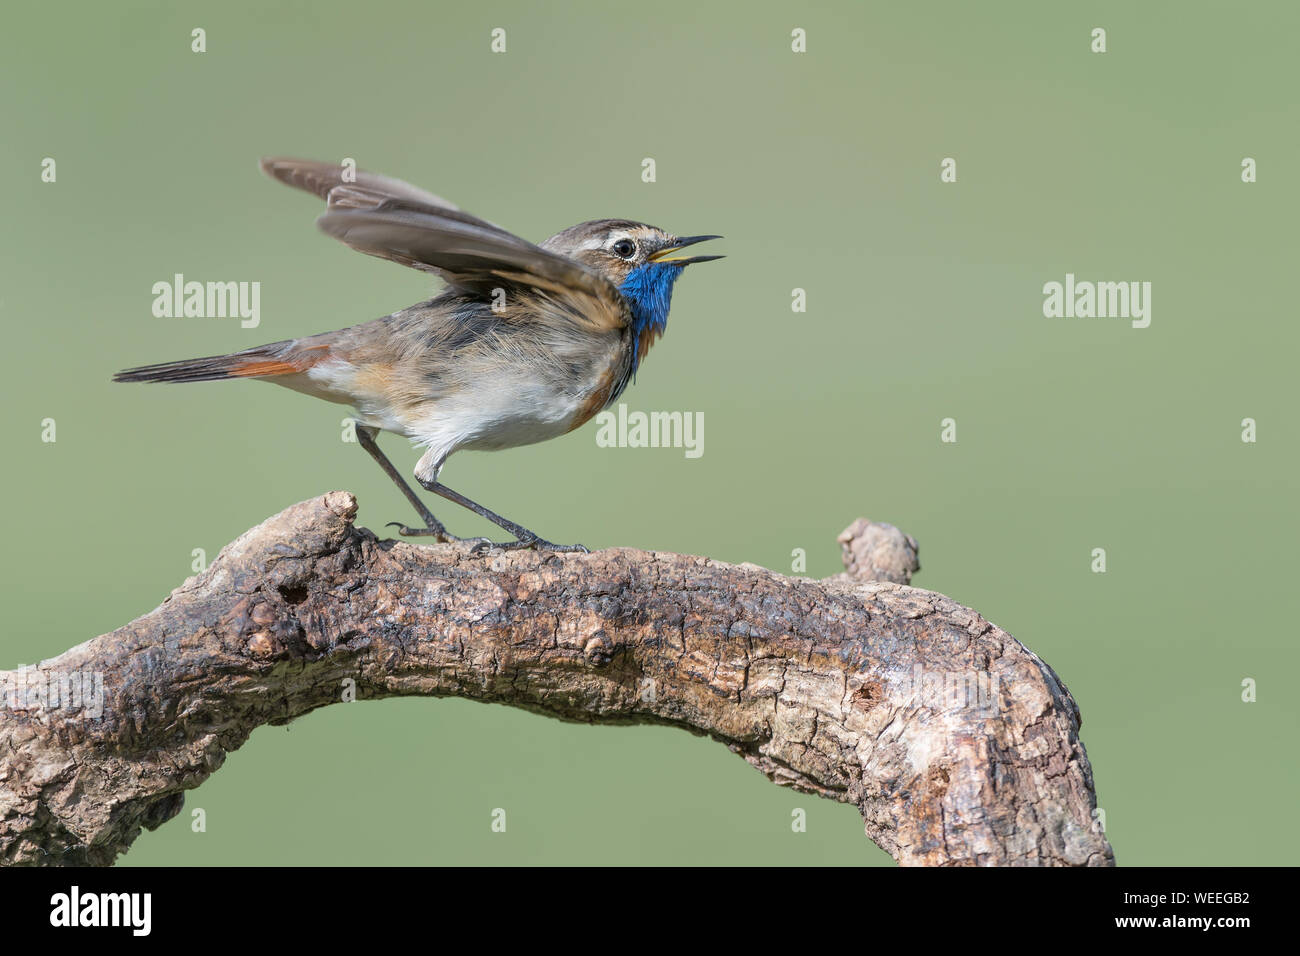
(394,220)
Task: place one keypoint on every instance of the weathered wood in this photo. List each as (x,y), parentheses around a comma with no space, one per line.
(814,683)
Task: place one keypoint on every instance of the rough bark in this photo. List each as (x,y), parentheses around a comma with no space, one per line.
(815,683)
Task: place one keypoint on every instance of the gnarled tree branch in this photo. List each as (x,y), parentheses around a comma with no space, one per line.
(958,745)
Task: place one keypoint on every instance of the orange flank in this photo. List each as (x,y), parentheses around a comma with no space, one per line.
(265,367)
(596,400)
(258,369)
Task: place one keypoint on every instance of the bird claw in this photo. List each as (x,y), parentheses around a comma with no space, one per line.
(443,536)
(439,533)
(541,544)
(569,548)
(483,545)
(524,544)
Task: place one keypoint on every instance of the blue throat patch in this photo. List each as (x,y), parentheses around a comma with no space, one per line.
(649,292)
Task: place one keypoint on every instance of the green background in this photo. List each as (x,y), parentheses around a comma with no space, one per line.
(822,171)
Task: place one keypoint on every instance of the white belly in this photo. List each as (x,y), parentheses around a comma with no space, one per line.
(503,415)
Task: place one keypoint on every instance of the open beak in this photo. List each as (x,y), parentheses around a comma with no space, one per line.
(662,255)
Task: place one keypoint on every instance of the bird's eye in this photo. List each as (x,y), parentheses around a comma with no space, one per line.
(624,248)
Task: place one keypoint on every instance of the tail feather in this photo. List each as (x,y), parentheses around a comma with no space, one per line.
(250,363)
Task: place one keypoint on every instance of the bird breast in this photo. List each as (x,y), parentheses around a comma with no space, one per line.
(516,393)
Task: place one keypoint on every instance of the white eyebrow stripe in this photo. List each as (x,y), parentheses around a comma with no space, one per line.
(597,242)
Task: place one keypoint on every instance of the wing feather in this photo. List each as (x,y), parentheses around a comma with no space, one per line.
(394,220)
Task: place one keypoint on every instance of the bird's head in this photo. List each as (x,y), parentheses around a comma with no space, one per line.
(640,260)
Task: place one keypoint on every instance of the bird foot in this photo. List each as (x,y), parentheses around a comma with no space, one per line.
(439,533)
(540,544)
(483,545)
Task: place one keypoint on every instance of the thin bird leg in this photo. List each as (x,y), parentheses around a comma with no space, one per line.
(433,527)
(524,537)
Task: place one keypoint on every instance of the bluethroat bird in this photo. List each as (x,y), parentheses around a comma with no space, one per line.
(525,343)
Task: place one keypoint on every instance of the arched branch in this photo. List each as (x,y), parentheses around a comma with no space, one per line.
(958,744)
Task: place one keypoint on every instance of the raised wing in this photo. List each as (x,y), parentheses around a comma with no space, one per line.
(394,220)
